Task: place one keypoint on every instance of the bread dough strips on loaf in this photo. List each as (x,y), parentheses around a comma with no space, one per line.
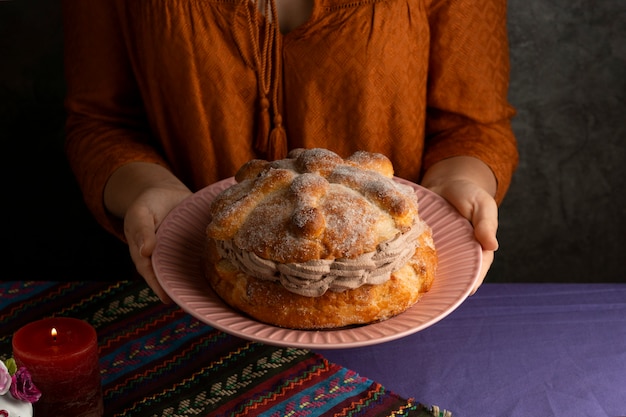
(316,241)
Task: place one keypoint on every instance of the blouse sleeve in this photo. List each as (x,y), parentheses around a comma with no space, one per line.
(106,125)
(468,111)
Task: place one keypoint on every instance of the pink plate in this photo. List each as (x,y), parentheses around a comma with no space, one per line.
(177,264)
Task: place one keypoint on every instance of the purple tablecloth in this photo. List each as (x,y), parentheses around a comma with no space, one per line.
(514,350)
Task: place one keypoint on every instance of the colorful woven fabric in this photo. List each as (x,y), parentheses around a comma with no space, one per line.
(156,360)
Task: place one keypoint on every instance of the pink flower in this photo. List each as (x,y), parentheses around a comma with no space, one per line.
(5,379)
(23,388)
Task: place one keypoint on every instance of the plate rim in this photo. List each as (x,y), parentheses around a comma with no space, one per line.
(299,338)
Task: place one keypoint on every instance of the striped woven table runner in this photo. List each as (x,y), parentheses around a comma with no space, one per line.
(157,360)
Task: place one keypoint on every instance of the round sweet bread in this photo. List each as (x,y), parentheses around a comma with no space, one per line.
(315,241)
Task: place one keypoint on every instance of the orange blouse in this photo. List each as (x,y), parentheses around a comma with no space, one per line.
(180,82)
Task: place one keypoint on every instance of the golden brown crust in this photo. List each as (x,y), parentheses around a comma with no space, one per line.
(372,161)
(270,303)
(313,205)
(310,207)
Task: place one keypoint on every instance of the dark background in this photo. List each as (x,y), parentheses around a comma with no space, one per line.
(564,219)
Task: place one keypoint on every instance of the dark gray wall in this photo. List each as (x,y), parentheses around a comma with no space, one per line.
(564,218)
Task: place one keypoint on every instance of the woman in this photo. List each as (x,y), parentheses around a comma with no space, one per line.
(167,97)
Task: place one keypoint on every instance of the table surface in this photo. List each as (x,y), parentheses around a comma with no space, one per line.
(157,360)
(513,350)
(509,350)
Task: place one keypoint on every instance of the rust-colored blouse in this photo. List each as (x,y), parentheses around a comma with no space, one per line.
(180,82)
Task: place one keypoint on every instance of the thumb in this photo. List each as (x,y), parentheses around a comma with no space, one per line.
(485,221)
(140,234)
(141,242)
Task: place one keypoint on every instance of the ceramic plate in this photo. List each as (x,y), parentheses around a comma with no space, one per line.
(177,264)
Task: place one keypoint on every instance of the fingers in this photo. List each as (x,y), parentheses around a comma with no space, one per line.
(143,263)
(479,207)
(143,194)
(484,218)
(141,237)
(153,283)
(469,185)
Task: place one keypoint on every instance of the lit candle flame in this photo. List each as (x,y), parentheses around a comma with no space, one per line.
(53,333)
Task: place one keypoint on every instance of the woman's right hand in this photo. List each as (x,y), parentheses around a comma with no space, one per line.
(143,194)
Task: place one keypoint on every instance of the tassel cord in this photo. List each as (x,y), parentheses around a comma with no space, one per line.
(271,140)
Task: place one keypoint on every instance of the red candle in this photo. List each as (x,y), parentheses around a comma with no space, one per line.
(61,355)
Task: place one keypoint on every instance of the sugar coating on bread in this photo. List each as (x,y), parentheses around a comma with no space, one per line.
(313,205)
(315,241)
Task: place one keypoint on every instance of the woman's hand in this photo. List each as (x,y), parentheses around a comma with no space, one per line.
(143,194)
(469,185)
